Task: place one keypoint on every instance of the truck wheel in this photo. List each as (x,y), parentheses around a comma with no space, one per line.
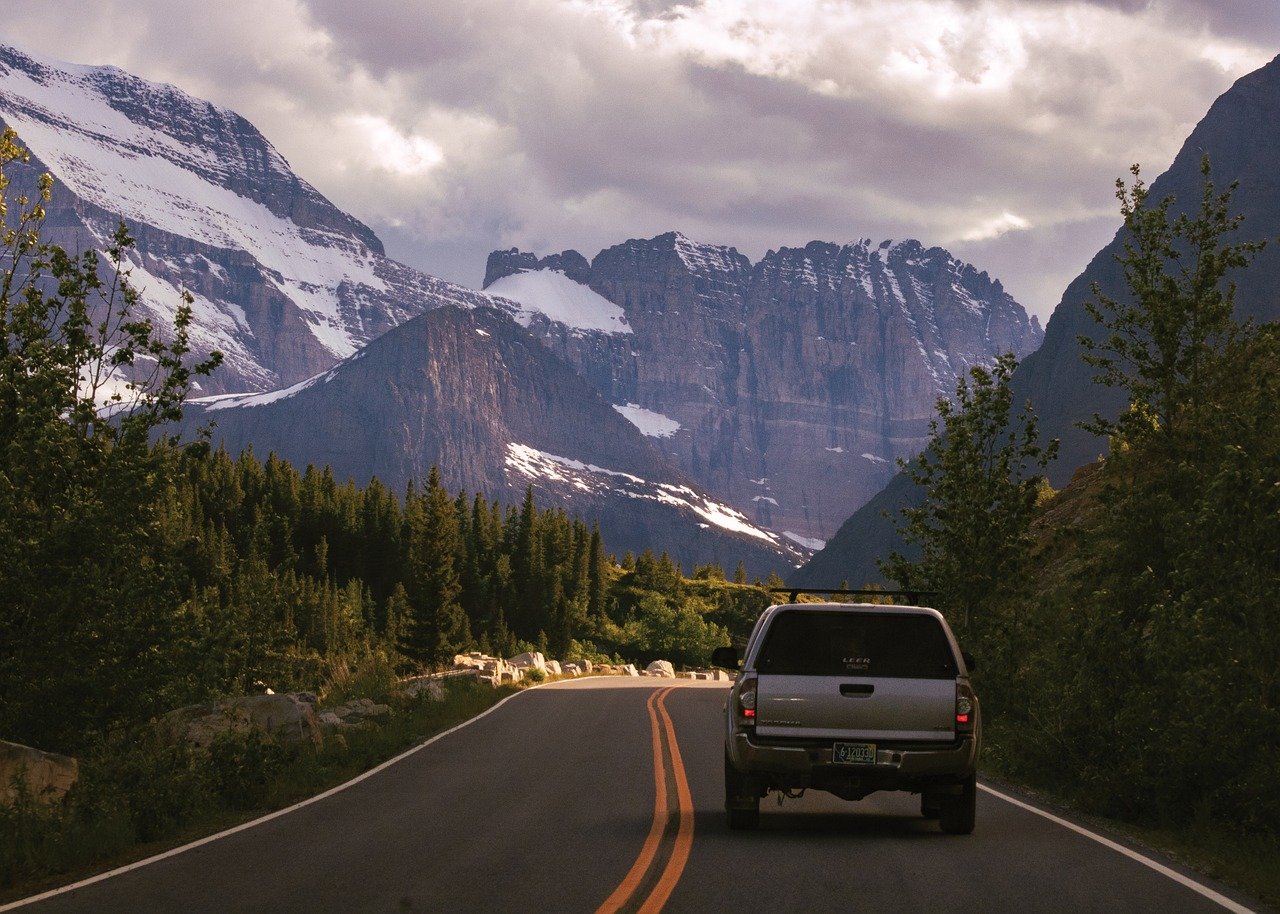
(743,807)
(930,805)
(959,810)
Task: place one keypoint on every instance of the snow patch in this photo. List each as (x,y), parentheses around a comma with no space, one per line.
(816,545)
(834,450)
(873,458)
(560,299)
(230,401)
(704,258)
(654,425)
(535,464)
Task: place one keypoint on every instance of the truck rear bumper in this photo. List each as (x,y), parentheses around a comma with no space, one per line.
(810,765)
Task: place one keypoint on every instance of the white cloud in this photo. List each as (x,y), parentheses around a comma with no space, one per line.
(995,226)
(995,127)
(393,150)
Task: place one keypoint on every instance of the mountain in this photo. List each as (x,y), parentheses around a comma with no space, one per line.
(1241,135)
(285,283)
(785,387)
(470,391)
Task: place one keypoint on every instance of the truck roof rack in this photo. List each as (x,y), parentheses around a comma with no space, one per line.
(913,596)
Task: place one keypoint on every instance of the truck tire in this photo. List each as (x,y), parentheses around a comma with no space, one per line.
(959,810)
(930,805)
(742,806)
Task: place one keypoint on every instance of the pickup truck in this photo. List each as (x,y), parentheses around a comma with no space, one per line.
(852,698)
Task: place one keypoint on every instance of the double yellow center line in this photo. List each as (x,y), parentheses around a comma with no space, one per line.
(652,878)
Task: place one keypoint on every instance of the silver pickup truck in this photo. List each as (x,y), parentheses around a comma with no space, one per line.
(851,699)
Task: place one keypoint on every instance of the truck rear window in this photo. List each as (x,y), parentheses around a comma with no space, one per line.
(885,645)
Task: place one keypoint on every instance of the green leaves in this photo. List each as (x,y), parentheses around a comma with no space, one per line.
(87,610)
(1157,341)
(981,476)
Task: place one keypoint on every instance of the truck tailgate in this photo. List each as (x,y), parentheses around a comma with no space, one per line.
(844,707)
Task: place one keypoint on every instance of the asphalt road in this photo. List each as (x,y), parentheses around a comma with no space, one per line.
(576,797)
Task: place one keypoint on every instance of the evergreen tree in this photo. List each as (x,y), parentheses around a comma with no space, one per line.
(1161,339)
(436,626)
(981,476)
(597,574)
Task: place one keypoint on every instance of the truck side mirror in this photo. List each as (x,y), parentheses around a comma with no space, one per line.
(726,657)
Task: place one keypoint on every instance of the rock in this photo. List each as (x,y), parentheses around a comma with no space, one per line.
(46,776)
(428,686)
(531,659)
(473,661)
(286,718)
(661,668)
(630,670)
(553,668)
(360,709)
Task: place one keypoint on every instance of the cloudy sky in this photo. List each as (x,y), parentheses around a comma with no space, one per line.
(995,128)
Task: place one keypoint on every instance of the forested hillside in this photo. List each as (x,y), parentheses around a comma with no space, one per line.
(1126,627)
(140,576)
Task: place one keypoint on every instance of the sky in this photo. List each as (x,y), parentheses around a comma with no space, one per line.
(993,128)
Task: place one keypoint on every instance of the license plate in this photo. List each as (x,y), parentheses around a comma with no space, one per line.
(854,754)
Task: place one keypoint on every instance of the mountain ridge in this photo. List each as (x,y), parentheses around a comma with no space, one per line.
(285,283)
(1241,135)
(793,382)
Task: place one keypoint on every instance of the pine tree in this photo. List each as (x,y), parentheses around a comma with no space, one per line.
(981,475)
(436,626)
(1161,341)
(597,575)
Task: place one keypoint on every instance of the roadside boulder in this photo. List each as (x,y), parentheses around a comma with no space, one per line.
(629,670)
(286,718)
(661,668)
(529,660)
(44,776)
(553,668)
(428,686)
(360,709)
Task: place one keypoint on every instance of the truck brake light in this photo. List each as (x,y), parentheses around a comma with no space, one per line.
(964,707)
(747,701)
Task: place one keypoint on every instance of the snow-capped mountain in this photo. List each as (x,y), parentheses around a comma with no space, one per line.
(285,284)
(785,387)
(469,391)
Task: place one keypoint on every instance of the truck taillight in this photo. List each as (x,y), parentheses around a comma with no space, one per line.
(747,702)
(965,703)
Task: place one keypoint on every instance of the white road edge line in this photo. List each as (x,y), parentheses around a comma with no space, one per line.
(245,826)
(1216,897)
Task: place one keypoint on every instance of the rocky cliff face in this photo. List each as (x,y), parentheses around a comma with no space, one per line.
(786,387)
(471,392)
(1241,135)
(285,284)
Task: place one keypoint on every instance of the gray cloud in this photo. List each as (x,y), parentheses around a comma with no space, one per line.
(994,128)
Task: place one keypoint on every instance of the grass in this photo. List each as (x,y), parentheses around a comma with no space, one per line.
(143,793)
